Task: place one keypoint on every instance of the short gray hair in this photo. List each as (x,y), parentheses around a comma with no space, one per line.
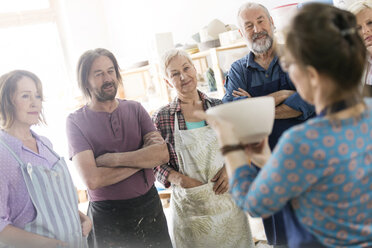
(251,5)
(360,5)
(168,56)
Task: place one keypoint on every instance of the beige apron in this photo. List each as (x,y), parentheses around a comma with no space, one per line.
(200,218)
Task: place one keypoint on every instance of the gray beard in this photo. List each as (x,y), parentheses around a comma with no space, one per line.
(262,48)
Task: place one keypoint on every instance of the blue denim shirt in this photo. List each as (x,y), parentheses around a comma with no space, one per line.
(238,77)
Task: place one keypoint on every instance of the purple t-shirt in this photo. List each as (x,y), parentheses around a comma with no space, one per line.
(16,207)
(119,131)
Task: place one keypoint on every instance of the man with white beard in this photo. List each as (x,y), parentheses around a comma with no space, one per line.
(260,74)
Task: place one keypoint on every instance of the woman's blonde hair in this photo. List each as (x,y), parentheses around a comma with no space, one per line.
(168,56)
(8,87)
(360,5)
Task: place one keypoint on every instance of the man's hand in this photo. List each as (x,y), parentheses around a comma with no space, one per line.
(116,159)
(221,181)
(285,112)
(106,160)
(240,92)
(281,95)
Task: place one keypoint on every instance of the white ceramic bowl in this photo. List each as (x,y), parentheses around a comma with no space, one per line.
(253,118)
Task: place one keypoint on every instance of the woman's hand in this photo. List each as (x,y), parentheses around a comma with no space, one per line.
(221,181)
(16,237)
(259,153)
(188,182)
(86,224)
(182,180)
(53,243)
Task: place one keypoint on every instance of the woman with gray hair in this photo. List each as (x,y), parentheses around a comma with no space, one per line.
(203,213)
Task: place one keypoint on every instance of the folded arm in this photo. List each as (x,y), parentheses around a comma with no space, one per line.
(96,177)
(154,153)
(283,111)
(295,103)
(235,85)
(281,95)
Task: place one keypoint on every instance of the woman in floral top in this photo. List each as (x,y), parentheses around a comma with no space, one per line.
(320,173)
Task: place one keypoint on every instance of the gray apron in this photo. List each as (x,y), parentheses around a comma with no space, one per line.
(54,197)
(200,218)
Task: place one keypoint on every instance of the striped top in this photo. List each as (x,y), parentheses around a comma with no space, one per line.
(16,207)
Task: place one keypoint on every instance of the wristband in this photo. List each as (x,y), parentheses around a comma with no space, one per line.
(230,148)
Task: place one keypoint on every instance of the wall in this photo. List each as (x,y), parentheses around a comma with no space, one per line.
(133,25)
(84,26)
(128,27)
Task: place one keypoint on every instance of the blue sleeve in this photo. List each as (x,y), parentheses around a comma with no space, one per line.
(241,182)
(296,102)
(234,80)
(284,177)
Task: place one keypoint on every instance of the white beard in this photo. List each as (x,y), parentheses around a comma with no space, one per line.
(262,47)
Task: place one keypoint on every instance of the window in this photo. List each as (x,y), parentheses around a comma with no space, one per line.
(22,5)
(30,40)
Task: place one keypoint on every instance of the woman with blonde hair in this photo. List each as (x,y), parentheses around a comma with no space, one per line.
(203,212)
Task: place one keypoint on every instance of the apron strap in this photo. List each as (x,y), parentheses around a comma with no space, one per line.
(50,149)
(249,79)
(176,126)
(282,76)
(12,152)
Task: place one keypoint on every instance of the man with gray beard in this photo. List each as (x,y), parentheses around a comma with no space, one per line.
(260,74)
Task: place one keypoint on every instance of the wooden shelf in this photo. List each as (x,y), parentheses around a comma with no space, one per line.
(213,54)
